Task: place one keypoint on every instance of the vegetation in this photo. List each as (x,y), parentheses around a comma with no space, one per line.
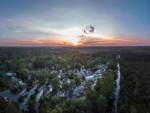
(57,72)
(135,87)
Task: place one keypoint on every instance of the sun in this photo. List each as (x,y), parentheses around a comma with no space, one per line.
(74,41)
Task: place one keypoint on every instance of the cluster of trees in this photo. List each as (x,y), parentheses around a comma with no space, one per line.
(135,78)
(97,100)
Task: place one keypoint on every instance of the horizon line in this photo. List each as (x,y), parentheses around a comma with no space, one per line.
(26,46)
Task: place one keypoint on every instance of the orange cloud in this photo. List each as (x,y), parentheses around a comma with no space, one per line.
(35,41)
(83,41)
(114,41)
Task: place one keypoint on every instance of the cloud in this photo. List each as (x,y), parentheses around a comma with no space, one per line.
(82,42)
(113,41)
(27,30)
(88,29)
(35,42)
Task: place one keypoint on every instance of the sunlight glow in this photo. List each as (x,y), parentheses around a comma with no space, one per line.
(74,40)
(74,36)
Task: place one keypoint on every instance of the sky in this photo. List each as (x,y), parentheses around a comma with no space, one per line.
(60,22)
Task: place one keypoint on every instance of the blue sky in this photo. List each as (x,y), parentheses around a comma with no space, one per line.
(31,20)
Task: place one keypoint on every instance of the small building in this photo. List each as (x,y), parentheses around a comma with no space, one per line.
(61,94)
(78,91)
(91,78)
(10,75)
(47,90)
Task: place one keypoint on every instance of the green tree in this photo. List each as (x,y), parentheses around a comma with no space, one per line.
(45,107)
(31,106)
(12,108)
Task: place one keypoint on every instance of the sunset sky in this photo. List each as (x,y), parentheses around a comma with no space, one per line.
(60,22)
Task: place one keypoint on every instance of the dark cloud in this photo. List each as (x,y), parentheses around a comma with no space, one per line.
(88,29)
